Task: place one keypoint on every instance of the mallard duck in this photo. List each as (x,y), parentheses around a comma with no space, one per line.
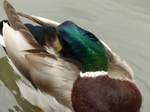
(65,68)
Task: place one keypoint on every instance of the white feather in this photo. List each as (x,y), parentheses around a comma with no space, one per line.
(14,39)
(53,23)
(93,74)
(46,102)
(2,41)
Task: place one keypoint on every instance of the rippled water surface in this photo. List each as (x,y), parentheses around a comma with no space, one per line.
(122,24)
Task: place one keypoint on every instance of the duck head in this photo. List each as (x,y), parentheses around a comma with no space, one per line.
(84,46)
(94,90)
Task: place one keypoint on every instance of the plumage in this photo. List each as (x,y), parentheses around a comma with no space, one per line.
(39,20)
(36,97)
(2,41)
(80,77)
(84,45)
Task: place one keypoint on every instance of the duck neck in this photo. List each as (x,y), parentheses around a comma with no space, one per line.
(93,60)
(85,46)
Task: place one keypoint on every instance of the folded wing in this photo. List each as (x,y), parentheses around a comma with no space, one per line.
(52,74)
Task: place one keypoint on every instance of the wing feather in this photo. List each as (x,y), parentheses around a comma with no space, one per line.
(17,38)
(39,20)
(35,97)
(2,40)
(52,74)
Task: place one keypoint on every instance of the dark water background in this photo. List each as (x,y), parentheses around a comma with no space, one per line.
(124,25)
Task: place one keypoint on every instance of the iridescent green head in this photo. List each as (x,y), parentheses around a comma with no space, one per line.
(84,46)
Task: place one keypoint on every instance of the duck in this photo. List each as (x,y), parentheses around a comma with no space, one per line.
(64,68)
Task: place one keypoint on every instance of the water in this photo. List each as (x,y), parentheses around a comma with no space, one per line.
(122,24)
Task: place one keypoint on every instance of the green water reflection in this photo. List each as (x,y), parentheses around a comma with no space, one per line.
(10,97)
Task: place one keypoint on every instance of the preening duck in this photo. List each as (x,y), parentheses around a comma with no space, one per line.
(64,68)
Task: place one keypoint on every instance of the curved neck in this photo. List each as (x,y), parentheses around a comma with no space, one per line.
(84,46)
(93,60)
